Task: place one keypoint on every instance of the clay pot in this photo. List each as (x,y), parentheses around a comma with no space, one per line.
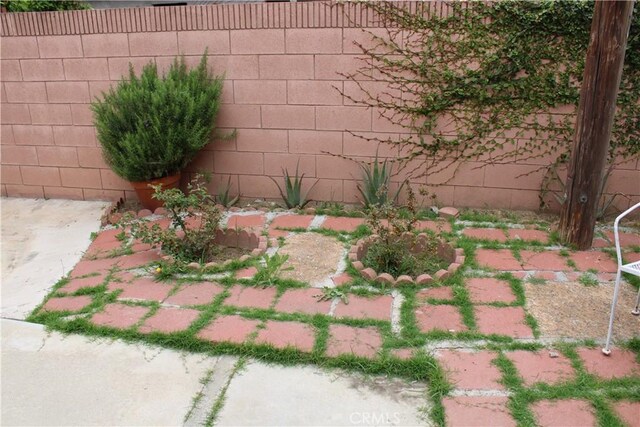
(145,192)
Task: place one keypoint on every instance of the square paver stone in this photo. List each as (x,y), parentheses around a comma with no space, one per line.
(246,273)
(195,294)
(84,282)
(508,321)
(477,411)
(364,342)
(303,301)
(485,234)
(245,221)
(342,223)
(442,293)
(144,288)
(471,370)
(234,329)
(600,261)
(621,363)
(292,221)
(169,319)
(287,334)
(245,296)
(629,412)
(499,259)
(528,235)
(439,317)
(545,260)
(119,316)
(487,290)
(67,303)
(540,367)
(564,413)
(366,308)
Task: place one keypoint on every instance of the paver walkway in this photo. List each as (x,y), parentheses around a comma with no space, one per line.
(452,319)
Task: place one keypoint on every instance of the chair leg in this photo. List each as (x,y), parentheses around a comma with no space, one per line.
(607,348)
(636,310)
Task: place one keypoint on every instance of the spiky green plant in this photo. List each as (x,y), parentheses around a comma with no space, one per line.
(152,126)
(292,193)
(376,178)
(224,196)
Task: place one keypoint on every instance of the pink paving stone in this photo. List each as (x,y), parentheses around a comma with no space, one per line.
(101,249)
(485,234)
(246,273)
(278,233)
(439,317)
(364,342)
(246,221)
(508,321)
(292,221)
(341,279)
(528,235)
(86,267)
(546,260)
(487,290)
(563,413)
(629,412)
(143,288)
(539,367)
(287,334)
(435,226)
(234,329)
(342,223)
(195,294)
(244,296)
(501,259)
(621,363)
(546,275)
(168,319)
(303,301)
(441,293)
(472,411)
(471,371)
(626,239)
(448,212)
(599,261)
(81,283)
(119,316)
(366,308)
(67,303)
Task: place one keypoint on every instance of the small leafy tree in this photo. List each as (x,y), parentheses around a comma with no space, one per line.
(152,126)
(43,5)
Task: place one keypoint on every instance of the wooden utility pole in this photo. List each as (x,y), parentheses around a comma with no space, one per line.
(602,73)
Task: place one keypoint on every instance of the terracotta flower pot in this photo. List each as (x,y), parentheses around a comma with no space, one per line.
(145,192)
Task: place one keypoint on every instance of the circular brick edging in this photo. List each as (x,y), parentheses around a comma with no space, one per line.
(445,251)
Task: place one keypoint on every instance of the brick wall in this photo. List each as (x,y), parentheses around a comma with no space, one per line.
(282,63)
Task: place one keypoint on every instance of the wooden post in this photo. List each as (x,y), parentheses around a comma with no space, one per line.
(602,73)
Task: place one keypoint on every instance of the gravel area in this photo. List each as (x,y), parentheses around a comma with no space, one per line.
(314,257)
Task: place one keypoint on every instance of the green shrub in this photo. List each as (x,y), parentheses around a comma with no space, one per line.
(376,178)
(43,5)
(152,126)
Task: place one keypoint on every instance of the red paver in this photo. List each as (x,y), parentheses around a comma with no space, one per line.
(85,282)
(539,367)
(546,260)
(143,288)
(287,334)
(342,223)
(500,259)
(621,363)
(600,261)
(244,296)
(303,301)
(137,259)
(195,294)
(439,317)
(629,412)
(168,319)
(563,413)
(435,226)
(119,316)
(471,371)
(485,234)
(487,290)
(341,279)
(364,342)
(508,321)
(546,275)
(528,235)
(366,308)
(234,329)
(292,221)
(246,273)
(441,293)
(472,411)
(626,239)
(102,248)
(246,221)
(67,303)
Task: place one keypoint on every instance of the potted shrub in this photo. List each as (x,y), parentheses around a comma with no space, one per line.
(150,127)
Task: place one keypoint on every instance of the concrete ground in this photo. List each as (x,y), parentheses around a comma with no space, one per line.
(51,379)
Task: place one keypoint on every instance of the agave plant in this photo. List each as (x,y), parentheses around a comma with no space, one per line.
(224,196)
(375,183)
(292,193)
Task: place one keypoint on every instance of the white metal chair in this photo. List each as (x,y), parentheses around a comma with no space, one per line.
(631,268)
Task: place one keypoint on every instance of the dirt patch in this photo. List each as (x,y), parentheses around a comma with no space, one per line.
(227,252)
(314,257)
(572,310)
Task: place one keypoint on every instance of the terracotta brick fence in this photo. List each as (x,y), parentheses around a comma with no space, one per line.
(281,62)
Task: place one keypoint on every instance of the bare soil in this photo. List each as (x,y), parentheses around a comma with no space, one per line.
(226,253)
(314,257)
